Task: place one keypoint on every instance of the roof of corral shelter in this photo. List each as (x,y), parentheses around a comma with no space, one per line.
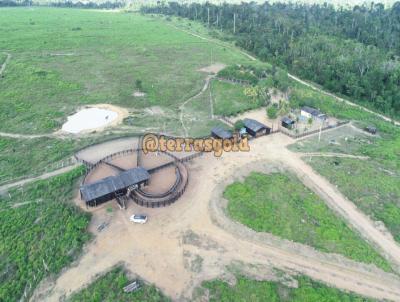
(222,133)
(310,110)
(112,184)
(254,125)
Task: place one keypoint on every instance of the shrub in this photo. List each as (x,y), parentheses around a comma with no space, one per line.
(272,112)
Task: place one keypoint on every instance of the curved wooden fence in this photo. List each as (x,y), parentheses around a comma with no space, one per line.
(142,198)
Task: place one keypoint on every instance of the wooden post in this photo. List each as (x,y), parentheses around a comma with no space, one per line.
(234,23)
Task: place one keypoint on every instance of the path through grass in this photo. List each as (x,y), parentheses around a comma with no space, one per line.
(280,204)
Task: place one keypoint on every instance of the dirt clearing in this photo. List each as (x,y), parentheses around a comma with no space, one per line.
(213,69)
(160,250)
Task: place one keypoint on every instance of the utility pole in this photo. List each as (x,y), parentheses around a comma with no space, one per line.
(234,23)
(208,16)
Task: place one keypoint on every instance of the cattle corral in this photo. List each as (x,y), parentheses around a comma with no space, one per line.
(165,182)
(220,240)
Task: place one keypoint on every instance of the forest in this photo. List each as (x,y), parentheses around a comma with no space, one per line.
(352,52)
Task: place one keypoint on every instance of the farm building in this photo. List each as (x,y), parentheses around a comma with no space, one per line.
(113,186)
(309,112)
(255,128)
(287,122)
(218,132)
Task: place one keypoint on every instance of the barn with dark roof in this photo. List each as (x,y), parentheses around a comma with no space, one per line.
(113,186)
(218,132)
(287,122)
(255,128)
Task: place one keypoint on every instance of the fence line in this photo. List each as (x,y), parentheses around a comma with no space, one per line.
(294,135)
(233,81)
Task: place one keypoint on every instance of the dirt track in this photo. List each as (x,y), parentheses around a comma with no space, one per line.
(40,177)
(182,107)
(196,226)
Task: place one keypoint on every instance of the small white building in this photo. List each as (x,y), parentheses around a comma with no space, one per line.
(313,113)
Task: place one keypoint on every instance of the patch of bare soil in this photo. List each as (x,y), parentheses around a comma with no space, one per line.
(102,171)
(138,94)
(213,69)
(161,181)
(193,239)
(154,110)
(96,152)
(260,115)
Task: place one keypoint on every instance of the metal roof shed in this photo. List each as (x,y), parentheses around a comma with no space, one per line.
(219,132)
(255,128)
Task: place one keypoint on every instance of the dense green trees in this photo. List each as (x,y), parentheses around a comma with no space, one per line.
(352,52)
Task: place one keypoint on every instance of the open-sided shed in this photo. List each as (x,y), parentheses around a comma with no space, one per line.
(255,128)
(218,132)
(110,187)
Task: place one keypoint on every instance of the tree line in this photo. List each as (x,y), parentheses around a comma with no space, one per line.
(354,52)
(67,3)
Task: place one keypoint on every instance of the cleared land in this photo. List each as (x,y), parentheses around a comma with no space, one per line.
(89,57)
(196,227)
(41,232)
(280,204)
(229,99)
(373,184)
(192,240)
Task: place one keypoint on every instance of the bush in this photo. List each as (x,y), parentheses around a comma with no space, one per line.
(272,112)
(238,125)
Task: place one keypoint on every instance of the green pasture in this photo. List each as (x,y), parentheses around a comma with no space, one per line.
(280,204)
(229,99)
(65,58)
(109,288)
(271,291)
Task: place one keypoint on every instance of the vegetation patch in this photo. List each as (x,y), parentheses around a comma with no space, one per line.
(280,204)
(257,291)
(373,188)
(250,74)
(41,232)
(229,99)
(109,288)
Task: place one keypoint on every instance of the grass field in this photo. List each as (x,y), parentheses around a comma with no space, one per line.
(109,288)
(229,99)
(40,231)
(373,184)
(63,58)
(373,189)
(280,204)
(257,291)
(24,157)
(27,157)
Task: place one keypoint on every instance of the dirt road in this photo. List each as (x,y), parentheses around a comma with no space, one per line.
(163,250)
(3,66)
(182,107)
(40,177)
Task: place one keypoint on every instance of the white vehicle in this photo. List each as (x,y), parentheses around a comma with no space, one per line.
(138,218)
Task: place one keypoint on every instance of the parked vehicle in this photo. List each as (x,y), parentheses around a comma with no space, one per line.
(138,218)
